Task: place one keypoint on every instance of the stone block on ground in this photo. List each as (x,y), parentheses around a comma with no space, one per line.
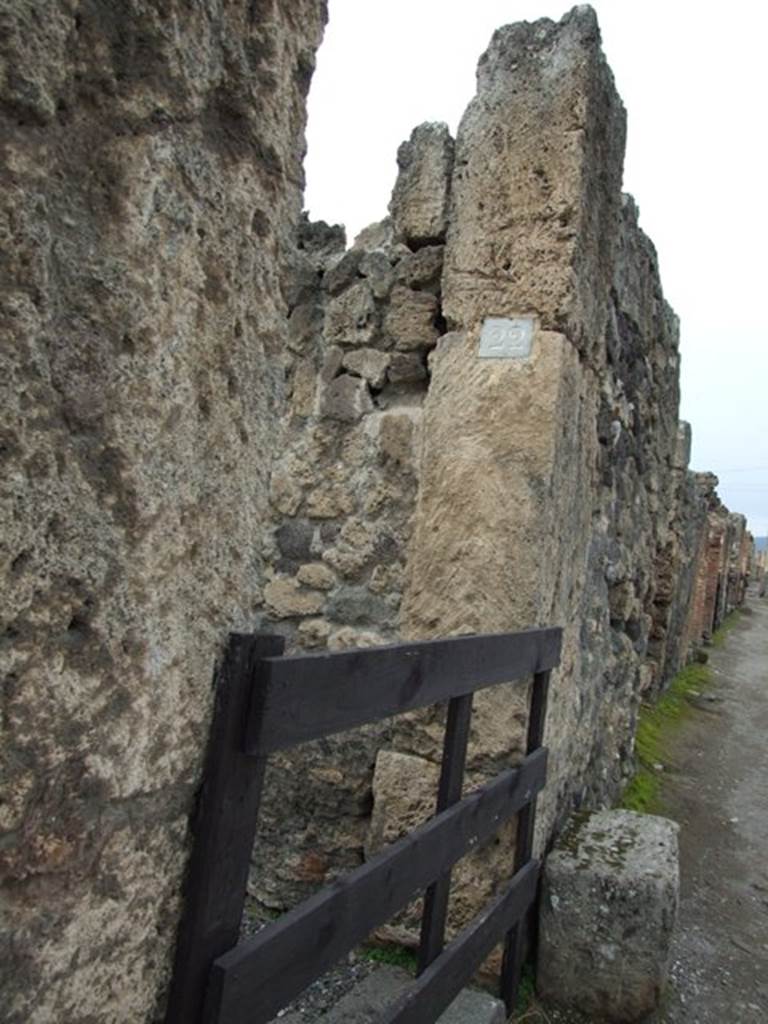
(365,1002)
(608,909)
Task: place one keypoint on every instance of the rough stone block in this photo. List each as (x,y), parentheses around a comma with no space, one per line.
(406,368)
(346,399)
(368,363)
(404,791)
(410,319)
(343,273)
(396,438)
(305,325)
(294,539)
(682,455)
(422,269)
(317,575)
(314,632)
(350,318)
(354,605)
(375,266)
(608,910)
(364,1003)
(285,598)
(419,206)
(374,235)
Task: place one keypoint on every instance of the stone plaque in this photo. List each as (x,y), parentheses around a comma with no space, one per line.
(506,338)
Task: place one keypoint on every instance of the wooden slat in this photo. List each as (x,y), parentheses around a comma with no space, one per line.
(224,826)
(514,946)
(449,792)
(439,985)
(315,695)
(259,977)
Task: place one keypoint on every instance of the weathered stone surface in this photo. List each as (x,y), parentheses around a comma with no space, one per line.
(346,637)
(558,135)
(328,501)
(320,242)
(304,325)
(481,495)
(397,431)
(404,797)
(149,200)
(374,235)
(284,597)
(343,496)
(404,794)
(350,318)
(368,363)
(365,1002)
(314,632)
(284,493)
(317,575)
(608,909)
(406,368)
(343,273)
(294,539)
(346,398)
(410,319)
(184,455)
(302,388)
(422,269)
(419,206)
(376,267)
(355,605)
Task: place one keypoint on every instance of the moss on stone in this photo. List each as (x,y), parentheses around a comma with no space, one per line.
(569,840)
(390,953)
(729,622)
(655,737)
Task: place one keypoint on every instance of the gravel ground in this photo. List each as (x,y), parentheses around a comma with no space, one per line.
(717,789)
(324,993)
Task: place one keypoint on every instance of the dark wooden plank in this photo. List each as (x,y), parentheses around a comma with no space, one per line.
(442,981)
(223,827)
(522,932)
(314,695)
(262,975)
(538,713)
(449,792)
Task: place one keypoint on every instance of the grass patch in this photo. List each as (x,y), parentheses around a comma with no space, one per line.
(392,954)
(526,993)
(656,726)
(721,634)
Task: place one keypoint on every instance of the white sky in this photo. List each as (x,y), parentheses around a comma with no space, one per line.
(693,79)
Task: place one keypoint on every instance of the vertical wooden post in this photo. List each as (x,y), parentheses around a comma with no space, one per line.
(223,828)
(514,946)
(449,792)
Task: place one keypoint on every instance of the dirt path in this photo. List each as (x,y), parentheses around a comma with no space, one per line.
(717,788)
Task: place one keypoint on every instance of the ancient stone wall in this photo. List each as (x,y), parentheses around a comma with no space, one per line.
(343,492)
(478,494)
(217,418)
(723,564)
(761,571)
(150,193)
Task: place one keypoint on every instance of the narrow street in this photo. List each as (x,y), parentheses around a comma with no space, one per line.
(717,789)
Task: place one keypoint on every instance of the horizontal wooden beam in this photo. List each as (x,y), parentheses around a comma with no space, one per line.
(435,989)
(249,984)
(305,697)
